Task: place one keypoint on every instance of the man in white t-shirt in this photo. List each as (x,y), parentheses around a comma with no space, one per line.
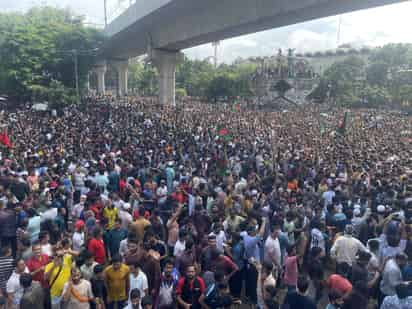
(328,196)
(180,245)
(220,236)
(138,280)
(14,289)
(78,235)
(161,193)
(125,216)
(272,253)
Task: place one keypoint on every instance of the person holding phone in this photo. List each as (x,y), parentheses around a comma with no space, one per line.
(57,273)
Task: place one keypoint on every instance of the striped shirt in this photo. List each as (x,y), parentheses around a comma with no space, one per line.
(6,269)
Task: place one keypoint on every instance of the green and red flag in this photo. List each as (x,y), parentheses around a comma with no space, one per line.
(224,134)
(236,107)
(344,124)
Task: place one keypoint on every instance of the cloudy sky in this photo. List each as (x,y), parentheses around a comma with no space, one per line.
(372,27)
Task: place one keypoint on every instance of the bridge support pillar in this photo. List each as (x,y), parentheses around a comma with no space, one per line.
(122,72)
(165,62)
(101,72)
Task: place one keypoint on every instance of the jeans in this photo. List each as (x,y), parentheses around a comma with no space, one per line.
(251,277)
(236,283)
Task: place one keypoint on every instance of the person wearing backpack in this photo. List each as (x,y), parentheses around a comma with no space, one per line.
(189,289)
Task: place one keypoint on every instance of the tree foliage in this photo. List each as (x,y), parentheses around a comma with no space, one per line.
(384,79)
(196,78)
(36,49)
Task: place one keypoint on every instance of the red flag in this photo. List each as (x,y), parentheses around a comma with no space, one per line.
(4,139)
(223,132)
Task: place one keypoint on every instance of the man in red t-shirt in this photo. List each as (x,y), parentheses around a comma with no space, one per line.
(96,246)
(37,263)
(189,289)
(339,284)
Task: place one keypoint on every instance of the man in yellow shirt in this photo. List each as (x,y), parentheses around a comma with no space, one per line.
(110,213)
(116,277)
(57,273)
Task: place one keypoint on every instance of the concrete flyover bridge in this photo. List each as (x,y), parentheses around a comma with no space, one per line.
(164,27)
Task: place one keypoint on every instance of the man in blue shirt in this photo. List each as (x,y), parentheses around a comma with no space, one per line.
(252,240)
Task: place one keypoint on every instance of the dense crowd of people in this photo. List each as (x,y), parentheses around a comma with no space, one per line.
(135,205)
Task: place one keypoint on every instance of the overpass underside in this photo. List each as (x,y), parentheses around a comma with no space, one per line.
(173,25)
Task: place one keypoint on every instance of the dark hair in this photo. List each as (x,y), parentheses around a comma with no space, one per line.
(303,284)
(87,255)
(31,212)
(136,264)
(43,234)
(25,241)
(214,254)
(334,295)
(146,300)
(290,248)
(182,233)
(5,250)
(116,259)
(97,231)
(402,290)
(373,244)
(364,256)
(315,251)
(98,269)
(219,275)
(135,293)
(65,242)
(36,243)
(275,226)
(131,237)
(268,266)
(25,280)
(168,260)
(189,244)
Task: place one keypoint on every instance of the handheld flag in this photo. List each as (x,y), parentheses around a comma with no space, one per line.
(344,124)
(5,140)
(224,134)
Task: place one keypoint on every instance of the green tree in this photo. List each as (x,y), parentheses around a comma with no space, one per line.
(37,48)
(375,96)
(377,72)
(222,86)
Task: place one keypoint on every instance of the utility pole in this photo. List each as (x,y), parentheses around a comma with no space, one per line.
(338,34)
(76,71)
(215,45)
(105,13)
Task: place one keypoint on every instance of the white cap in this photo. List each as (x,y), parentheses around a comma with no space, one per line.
(381,208)
(126,206)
